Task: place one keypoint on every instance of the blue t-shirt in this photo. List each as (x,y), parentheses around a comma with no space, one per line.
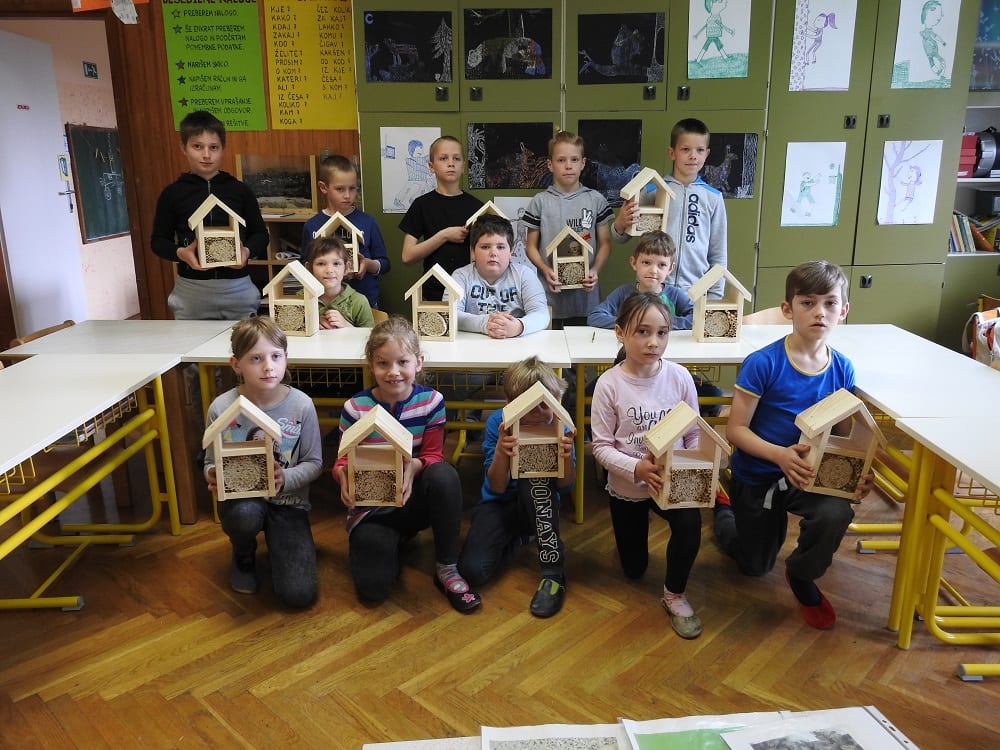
(783,392)
(491,437)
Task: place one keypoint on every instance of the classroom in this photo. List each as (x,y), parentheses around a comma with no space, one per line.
(136,633)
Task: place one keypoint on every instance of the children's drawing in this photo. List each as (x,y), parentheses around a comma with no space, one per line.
(814,179)
(925,44)
(986,53)
(408,46)
(404,157)
(509,155)
(501,43)
(614,155)
(556,737)
(854,728)
(718,38)
(823,38)
(515,208)
(620,48)
(732,164)
(908,191)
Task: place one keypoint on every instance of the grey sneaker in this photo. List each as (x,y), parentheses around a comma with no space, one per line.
(243,575)
(686,627)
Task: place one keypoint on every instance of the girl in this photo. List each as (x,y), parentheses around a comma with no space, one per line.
(260,349)
(432,492)
(340,306)
(629,399)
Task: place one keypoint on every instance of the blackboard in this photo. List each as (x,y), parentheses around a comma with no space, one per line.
(96,158)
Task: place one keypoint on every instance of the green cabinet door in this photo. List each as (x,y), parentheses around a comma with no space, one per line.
(966,276)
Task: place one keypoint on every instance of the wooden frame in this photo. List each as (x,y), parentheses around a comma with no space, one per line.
(718,320)
(691,475)
(536,443)
(353,242)
(375,471)
(245,466)
(218,247)
(295,314)
(569,256)
(654,204)
(839,460)
(283,183)
(435,320)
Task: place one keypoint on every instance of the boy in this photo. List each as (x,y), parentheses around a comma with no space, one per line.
(512,510)
(567,203)
(768,465)
(501,300)
(434,224)
(338,182)
(340,306)
(216,293)
(652,260)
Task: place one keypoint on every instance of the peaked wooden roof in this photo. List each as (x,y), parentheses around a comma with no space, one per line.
(712,275)
(487,208)
(531,398)
(242,405)
(338,220)
(381,421)
(206,206)
(566,231)
(303,275)
(455,290)
(672,427)
(836,407)
(643,178)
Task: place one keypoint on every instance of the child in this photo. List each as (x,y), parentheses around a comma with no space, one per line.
(260,351)
(338,181)
(510,509)
(629,399)
(652,260)
(434,224)
(340,306)
(568,203)
(216,293)
(768,463)
(432,492)
(500,300)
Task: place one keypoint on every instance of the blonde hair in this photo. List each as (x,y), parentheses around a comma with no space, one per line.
(394,328)
(520,376)
(247,332)
(438,141)
(564,136)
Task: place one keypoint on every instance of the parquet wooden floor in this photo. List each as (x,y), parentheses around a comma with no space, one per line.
(164,655)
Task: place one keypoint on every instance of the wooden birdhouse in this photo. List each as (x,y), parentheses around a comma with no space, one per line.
(217,245)
(718,320)
(435,320)
(352,237)
(375,465)
(537,445)
(691,475)
(842,437)
(569,256)
(487,208)
(294,306)
(653,195)
(243,468)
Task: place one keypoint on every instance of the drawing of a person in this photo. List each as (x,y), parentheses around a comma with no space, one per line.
(805,193)
(930,16)
(419,178)
(713,28)
(815,33)
(913,178)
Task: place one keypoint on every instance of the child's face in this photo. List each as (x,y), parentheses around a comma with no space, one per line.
(651,271)
(491,256)
(262,369)
(646,342)
(566,164)
(204,154)
(814,316)
(329,269)
(688,155)
(341,191)
(395,370)
(447,163)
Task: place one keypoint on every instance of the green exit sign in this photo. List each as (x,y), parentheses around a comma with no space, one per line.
(89,70)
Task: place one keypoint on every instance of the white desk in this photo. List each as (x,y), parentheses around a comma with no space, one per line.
(476,351)
(344,347)
(124,337)
(47,396)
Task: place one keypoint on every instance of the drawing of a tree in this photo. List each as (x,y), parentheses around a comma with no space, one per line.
(442,48)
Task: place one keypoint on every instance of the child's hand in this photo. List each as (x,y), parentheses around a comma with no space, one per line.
(333,319)
(244,257)
(552,280)
(213,484)
(455,234)
(566,445)
(590,281)
(649,472)
(628,215)
(340,474)
(362,270)
(503,325)
(793,465)
(865,485)
(189,255)
(507,444)
(279,477)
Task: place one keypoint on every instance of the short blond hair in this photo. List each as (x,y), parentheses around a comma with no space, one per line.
(564,136)
(520,376)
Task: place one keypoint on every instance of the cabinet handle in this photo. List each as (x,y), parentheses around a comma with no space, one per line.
(440,93)
(882,121)
(850,122)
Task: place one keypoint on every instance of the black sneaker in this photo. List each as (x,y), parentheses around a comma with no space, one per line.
(243,575)
(548,600)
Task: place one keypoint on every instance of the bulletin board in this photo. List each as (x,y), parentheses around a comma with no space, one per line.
(96,157)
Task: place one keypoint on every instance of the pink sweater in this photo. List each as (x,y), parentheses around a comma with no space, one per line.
(623,409)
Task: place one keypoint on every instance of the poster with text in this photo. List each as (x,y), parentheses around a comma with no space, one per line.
(908,191)
(814,180)
(823,39)
(718,38)
(925,44)
(404,159)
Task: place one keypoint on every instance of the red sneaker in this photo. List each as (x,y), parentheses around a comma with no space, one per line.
(821,616)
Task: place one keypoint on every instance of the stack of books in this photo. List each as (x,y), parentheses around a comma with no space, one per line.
(969,235)
(967,158)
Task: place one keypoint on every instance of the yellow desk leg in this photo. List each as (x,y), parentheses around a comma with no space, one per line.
(581,411)
(902,605)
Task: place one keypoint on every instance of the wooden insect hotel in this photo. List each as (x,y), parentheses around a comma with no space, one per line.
(217,245)
(375,468)
(691,475)
(653,195)
(842,437)
(718,320)
(352,237)
(293,300)
(243,468)
(435,320)
(537,445)
(569,256)
(487,208)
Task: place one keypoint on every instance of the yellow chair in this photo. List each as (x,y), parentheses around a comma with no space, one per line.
(766,317)
(379,315)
